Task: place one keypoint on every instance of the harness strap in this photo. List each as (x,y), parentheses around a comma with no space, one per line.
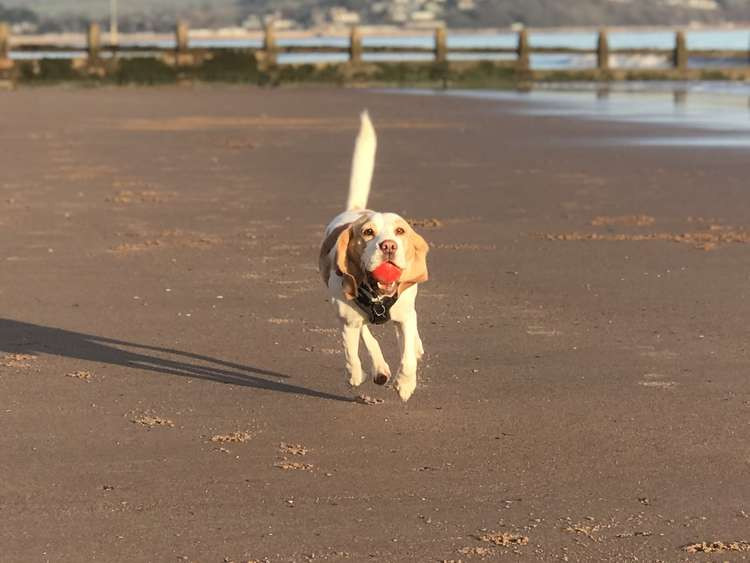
(377,309)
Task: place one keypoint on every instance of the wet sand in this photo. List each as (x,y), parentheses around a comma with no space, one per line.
(172,382)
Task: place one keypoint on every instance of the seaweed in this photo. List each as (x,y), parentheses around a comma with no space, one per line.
(229,65)
(245,66)
(48,71)
(144,70)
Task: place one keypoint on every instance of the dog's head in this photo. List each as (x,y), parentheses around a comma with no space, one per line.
(377,238)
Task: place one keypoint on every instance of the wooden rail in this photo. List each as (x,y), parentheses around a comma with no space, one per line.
(183,54)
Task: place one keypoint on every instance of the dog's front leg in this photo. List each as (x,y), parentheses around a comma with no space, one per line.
(351,330)
(419,347)
(352,322)
(350,333)
(381,373)
(408,335)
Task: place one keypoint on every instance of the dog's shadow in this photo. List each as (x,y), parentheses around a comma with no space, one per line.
(18,337)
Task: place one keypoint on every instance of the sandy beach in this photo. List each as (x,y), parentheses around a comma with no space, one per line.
(171,375)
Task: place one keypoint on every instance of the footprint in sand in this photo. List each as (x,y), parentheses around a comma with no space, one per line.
(654,354)
(286,450)
(537,330)
(657,380)
(17,361)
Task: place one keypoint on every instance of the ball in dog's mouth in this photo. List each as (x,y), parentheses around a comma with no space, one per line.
(386,276)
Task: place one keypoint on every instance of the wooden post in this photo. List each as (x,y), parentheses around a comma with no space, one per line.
(182,40)
(441,45)
(6,63)
(114,33)
(680,51)
(269,45)
(355,46)
(679,97)
(523,50)
(94,41)
(602,51)
(4,40)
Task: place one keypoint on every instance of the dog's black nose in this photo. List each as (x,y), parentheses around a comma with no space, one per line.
(388,246)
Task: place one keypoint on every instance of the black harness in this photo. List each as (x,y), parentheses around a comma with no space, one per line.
(377,308)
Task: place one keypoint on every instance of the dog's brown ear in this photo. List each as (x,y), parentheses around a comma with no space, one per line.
(325,264)
(348,263)
(416,269)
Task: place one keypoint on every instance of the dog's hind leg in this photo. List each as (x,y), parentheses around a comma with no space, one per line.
(380,370)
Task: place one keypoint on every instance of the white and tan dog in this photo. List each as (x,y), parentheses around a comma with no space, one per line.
(357,242)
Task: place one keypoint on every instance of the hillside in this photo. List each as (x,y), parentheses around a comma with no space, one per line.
(56,15)
(100,8)
(159,14)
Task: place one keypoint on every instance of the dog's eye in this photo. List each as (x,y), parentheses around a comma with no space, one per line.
(400,230)
(368,233)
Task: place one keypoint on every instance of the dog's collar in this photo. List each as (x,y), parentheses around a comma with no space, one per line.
(376,307)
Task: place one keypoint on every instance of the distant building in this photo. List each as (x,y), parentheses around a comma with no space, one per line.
(421,16)
(343,16)
(379,7)
(285,23)
(417,12)
(466,5)
(24,27)
(398,11)
(707,5)
(279,22)
(252,22)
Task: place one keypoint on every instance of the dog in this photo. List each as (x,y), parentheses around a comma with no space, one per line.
(371,263)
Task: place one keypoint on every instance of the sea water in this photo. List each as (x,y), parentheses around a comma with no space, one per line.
(692,114)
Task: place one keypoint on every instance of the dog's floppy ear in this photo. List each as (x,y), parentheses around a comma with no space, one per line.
(325,263)
(348,263)
(416,269)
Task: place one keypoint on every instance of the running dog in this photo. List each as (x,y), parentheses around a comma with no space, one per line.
(371,263)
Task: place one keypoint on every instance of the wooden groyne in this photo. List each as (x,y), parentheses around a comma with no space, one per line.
(439,62)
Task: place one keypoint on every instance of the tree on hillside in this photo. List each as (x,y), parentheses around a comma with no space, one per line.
(18,15)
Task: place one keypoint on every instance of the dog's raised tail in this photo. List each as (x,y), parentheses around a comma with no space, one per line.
(363,164)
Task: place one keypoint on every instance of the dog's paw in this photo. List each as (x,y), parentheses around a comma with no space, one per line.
(356,378)
(419,349)
(381,374)
(405,386)
(380,379)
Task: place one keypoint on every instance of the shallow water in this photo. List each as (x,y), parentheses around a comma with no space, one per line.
(723,109)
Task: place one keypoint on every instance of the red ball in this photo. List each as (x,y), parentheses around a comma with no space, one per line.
(386,273)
